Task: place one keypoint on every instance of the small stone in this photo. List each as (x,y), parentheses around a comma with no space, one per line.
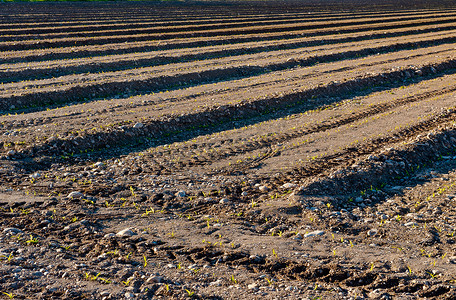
(129,295)
(288,185)
(255,258)
(359,199)
(181,194)
(109,235)
(75,195)
(253,286)
(452,259)
(11,153)
(411,224)
(314,233)
(156,279)
(125,233)
(298,237)
(224,201)
(218,282)
(138,125)
(244,194)
(263,188)
(372,232)
(12,230)
(99,164)
(35,175)
(37,274)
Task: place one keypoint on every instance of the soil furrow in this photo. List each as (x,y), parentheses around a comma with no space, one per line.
(107,88)
(32,71)
(144,29)
(55,43)
(124,48)
(158,128)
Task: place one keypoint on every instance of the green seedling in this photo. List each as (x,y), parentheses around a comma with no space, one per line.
(145,261)
(409,270)
(95,277)
(274,253)
(89,201)
(372,266)
(233,280)
(190,293)
(104,280)
(151,211)
(132,190)
(32,240)
(126,283)
(269,281)
(108,204)
(10,295)
(113,253)
(128,256)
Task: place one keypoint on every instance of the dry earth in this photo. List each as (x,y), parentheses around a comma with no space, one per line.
(228,151)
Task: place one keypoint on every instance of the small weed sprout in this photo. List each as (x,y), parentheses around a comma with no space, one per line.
(128,256)
(274,253)
(233,280)
(32,240)
(190,293)
(10,295)
(127,283)
(105,281)
(132,190)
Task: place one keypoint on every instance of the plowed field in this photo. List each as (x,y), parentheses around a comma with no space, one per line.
(227,151)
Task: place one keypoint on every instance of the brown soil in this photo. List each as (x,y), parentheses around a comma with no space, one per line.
(227,151)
